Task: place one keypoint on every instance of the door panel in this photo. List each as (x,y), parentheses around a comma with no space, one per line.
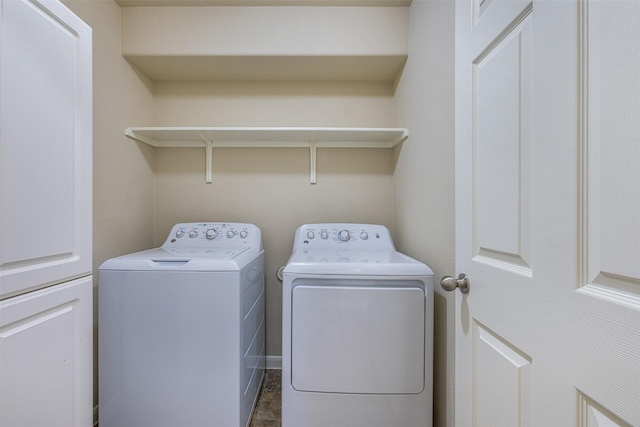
(611,152)
(594,415)
(45,145)
(501,146)
(46,358)
(547,213)
(502,375)
(358,339)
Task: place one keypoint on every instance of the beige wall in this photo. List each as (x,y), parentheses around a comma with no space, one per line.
(274,104)
(276,30)
(423,187)
(139,192)
(270,186)
(123,177)
(276,43)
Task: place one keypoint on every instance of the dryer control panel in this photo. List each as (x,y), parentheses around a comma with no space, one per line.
(343,236)
(213,234)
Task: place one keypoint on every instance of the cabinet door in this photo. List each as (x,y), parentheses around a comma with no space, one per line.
(46,357)
(45,145)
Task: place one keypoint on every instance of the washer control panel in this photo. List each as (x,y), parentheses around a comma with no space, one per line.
(212,234)
(343,235)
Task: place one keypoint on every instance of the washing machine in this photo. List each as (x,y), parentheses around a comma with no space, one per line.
(357,331)
(181,330)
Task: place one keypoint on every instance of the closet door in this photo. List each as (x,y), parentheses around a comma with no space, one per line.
(45,145)
(547,213)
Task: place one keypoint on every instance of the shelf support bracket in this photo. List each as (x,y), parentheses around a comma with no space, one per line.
(208,158)
(208,162)
(312,160)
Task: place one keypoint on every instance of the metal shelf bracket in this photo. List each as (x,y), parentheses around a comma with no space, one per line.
(208,174)
(313,145)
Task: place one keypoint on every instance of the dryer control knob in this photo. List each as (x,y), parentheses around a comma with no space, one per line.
(324,234)
(193,233)
(244,234)
(364,235)
(230,234)
(343,235)
(211,233)
(179,233)
(310,234)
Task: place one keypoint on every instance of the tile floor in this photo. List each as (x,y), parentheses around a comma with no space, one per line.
(269,407)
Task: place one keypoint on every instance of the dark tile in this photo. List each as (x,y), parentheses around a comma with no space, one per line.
(272,381)
(268,410)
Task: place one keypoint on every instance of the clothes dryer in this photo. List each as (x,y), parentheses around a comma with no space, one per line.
(181,330)
(357,331)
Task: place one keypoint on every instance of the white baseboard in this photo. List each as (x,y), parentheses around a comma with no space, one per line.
(274,362)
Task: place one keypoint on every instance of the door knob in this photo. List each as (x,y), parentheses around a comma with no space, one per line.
(448,283)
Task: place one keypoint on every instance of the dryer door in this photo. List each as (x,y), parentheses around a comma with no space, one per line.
(358,339)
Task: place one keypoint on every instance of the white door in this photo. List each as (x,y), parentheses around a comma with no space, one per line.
(45,145)
(548,213)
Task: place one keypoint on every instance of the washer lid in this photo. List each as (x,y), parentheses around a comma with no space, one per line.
(331,262)
(199,253)
(186,254)
(195,259)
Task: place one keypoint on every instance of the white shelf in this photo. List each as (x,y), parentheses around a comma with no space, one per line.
(268,137)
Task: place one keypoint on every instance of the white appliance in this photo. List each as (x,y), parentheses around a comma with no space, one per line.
(181,330)
(357,331)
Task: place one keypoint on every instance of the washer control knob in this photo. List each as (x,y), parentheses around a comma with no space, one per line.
(343,235)
(364,235)
(180,233)
(211,233)
(230,234)
(244,234)
(310,234)
(324,234)
(193,233)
